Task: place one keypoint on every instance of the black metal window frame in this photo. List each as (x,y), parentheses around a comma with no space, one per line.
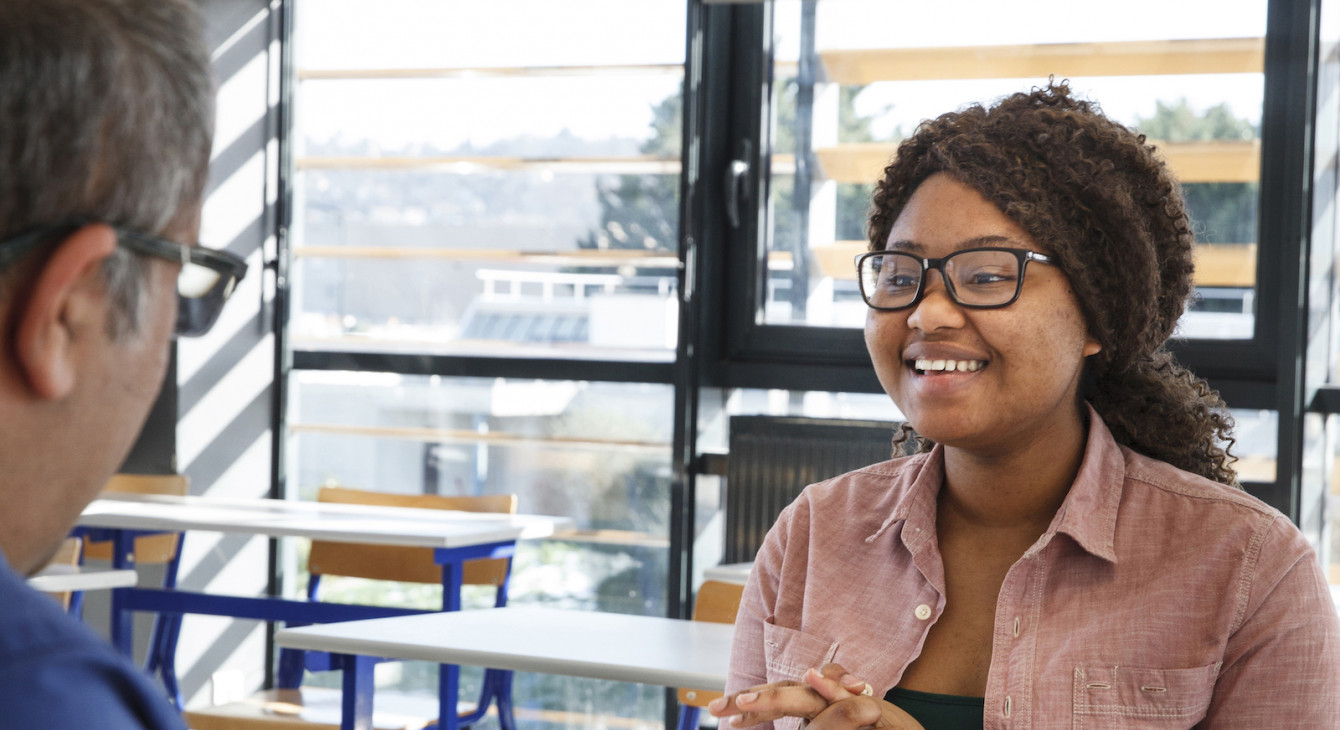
(738,351)
(752,354)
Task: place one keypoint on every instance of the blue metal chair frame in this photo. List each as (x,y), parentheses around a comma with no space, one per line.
(170,604)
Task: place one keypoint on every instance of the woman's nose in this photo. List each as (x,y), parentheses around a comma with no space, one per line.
(936,310)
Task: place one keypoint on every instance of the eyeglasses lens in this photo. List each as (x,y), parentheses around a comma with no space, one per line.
(977,278)
(983,278)
(201,294)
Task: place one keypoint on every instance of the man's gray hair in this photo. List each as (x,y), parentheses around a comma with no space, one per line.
(106,114)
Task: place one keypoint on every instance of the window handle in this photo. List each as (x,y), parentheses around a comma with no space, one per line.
(737,181)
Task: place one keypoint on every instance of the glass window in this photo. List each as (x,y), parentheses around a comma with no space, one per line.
(468,185)
(851,79)
(596,452)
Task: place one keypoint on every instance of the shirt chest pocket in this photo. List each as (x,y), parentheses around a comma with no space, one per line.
(788,653)
(1133,697)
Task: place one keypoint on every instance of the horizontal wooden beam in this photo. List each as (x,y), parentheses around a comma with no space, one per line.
(1217,264)
(1123,58)
(1192,162)
(624,165)
(577,257)
(476,72)
(461,436)
(1225,264)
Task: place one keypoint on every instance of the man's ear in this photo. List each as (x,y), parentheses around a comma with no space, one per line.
(65,299)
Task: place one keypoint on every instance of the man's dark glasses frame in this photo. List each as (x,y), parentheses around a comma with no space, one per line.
(208,276)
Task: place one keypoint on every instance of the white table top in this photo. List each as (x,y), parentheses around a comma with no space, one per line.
(61,578)
(642,649)
(737,573)
(317,520)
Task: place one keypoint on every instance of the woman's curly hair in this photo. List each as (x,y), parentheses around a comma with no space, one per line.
(1093,194)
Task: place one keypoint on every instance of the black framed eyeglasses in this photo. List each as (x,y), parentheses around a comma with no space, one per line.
(980,278)
(207,278)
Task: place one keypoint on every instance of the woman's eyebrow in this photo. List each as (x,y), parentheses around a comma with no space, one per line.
(974,242)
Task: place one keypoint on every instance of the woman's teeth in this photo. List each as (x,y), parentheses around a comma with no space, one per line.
(962,366)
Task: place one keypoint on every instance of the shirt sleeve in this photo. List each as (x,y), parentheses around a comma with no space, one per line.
(79,689)
(1282,665)
(748,666)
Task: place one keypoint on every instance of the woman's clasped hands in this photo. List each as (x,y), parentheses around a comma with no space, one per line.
(829,698)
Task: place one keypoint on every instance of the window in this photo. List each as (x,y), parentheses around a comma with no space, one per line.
(467,185)
(484,298)
(851,79)
(492,212)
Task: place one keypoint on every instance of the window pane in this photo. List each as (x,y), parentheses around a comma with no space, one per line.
(489,178)
(1192,82)
(599,453)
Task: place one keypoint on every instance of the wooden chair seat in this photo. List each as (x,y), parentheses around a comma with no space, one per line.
(313,708)
(70,552)
(717,602)
(149,549)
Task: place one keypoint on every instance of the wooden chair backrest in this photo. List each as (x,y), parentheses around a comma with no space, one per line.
(149,549)
(717,602)
(68,554)
(412,564)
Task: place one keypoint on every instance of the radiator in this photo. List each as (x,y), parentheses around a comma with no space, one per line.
(773,458)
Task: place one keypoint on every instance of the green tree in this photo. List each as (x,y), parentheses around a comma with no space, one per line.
(1220,212)
(642,211)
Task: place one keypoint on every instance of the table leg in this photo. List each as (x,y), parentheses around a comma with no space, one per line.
(449,675)
(356,700)
(122,627)
(448,686)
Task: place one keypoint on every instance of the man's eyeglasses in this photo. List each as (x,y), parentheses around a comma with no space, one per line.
(980,278)
(208,277)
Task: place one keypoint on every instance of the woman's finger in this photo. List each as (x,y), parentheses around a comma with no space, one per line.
(835,683)
(843,677)
(768,703)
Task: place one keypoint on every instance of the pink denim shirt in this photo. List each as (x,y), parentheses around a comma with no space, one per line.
(1156,599)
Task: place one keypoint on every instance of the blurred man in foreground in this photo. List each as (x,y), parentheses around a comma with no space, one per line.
(106,118)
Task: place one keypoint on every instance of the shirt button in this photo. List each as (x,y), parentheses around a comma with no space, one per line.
(923,612)
(1007,707)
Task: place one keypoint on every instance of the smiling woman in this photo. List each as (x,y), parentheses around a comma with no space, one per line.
(1008,572)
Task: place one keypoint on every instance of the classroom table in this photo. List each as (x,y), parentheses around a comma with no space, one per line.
(737,573)
(63,578)
(455,537)
(619,647)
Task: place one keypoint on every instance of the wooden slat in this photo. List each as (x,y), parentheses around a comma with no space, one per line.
(578,257)
(448,436)
(1225,264)
(625,165)
(1192,162)
(1217,264)
(1125,58)
(1220,161)
(472,72)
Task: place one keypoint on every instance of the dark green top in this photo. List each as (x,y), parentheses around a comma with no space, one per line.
(939,712)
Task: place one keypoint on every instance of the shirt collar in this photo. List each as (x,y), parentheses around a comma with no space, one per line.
(1088,514)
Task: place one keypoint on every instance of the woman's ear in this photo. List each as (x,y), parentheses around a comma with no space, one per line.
(1091,347)
(65,301)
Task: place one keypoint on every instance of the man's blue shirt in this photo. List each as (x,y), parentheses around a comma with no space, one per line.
(56,673)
